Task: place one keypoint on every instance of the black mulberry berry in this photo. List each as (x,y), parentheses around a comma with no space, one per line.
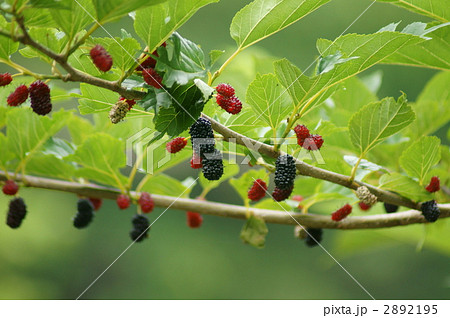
(213,166)
(284,172)
(281,194)
(314,237)
(390,208)
(84,215)
(141,226)
(40,98)
(202,137)
(430,211)
(16,213)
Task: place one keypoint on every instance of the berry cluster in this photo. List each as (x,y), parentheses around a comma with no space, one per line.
(140,229)
(84,215)
(194,219)
(40,98)
(146,202)
(5,79)
(152,78)
(430,211)
(306,140)
(284,177)
(119,111)
(16,213)
(123,201)
(19,96)
(434,185)
(101,58)
(227,100)
(176,144)
(341,213)
(213,166)
(10,187)
(257,191)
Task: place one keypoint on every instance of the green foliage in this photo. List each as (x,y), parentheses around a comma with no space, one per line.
(435,9)
(254,232)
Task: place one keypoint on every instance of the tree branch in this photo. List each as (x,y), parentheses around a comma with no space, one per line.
(238,212)
(308,170)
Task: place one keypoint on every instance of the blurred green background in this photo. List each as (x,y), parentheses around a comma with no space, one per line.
(48,258)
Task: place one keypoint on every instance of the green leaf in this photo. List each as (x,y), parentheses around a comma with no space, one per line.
(95,99)
(269,99)
(214,55)
(79,128)
(230,171)
(38,18)
(245,181)
(404,186)
(50,166)
(364,164)
(114,9)
(186,62)
(432,106)
(433,53)
(418,158)
(327,63)
(262,18)
(205,88)
(155,24)
(48,37)
(155,99)
(377,121)
(50,4)
(187,106)
(100,157)
(7,155)
(165,185)
(25,140)
(435,9)
(254,232)
(76,18)
(7,46)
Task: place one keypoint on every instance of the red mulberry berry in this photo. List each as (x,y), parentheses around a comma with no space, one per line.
(40,98)
(434,185)
(257,191)
(213,166)
(101,58)
(341,213)
(314,142)
(281,194)
(152,78)
(363,206)
(150,61)
(16,213)
(176,144)
(390,208)
(84,215)
(302,133)
(10,187)
(5,79)
(146,202)
(130,102)
(194,219)
(314,237)
(231,105)
(225,89)
(19,96)
(430,211)
(196,161)
(96,202)
(285,172)
(123,201)
(141,226)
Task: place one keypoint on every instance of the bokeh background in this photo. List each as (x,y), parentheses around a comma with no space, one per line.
(49,259)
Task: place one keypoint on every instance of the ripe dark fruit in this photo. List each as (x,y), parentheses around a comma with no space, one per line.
(101,58)
(16,213)
(390,208)
(434,185)
(96,202)
(18,97)
(10,187)
(213,166)
(314,237)
(257,191)
(284,172)
(364,206)
(231,105)
(5,79)
(281,194)
(150,61)
(140,229)
(123,201)
(84,215)
(202,137)
(196,161)
(430,211)
(152,78)
(40,98)
(146,202)
(194,219)
(225,89)
(176,144)
(341,213)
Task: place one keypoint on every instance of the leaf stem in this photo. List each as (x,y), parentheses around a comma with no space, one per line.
(224,65)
